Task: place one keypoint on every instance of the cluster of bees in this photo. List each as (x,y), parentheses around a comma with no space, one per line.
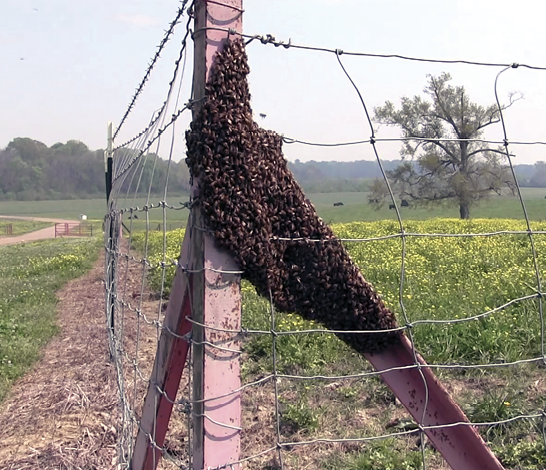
(249,199)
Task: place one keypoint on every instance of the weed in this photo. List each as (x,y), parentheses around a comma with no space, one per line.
(523,455)
(349,393)
(497,405)
(299,416)
(379,455)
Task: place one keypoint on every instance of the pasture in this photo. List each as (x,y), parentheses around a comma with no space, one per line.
(95,210)
(29,276)
(355,207)
(446,279)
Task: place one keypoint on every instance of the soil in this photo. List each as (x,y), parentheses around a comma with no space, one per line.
(65,413)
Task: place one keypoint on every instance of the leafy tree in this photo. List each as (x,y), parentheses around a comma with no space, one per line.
(29,170)
(435,170)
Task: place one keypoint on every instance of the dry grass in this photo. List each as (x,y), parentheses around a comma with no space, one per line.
(63,414)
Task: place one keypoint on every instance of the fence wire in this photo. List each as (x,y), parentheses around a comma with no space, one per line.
(135,253)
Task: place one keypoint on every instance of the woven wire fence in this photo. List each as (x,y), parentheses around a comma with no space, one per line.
(285,423)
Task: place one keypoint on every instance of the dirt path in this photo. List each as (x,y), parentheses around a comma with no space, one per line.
(63,414)
(42,234)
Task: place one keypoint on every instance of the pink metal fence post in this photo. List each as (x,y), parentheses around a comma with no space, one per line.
(212,296)
(216,296)
(165,379)
(461,445)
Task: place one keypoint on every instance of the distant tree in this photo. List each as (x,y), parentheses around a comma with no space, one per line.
(29,170)
(31,151)
(538,179)
(435,171)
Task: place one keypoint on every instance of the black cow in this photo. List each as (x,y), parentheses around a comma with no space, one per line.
(392,206)
(337,204)
(405,203)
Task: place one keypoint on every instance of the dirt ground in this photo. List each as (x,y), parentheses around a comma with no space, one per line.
(64,413)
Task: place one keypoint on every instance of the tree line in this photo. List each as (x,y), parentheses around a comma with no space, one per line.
(32,171)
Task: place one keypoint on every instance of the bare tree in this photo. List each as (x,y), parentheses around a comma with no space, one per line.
(462,170)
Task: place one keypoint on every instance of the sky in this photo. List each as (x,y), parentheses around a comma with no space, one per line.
(68,67)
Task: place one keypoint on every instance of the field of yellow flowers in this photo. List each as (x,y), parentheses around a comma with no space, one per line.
(446,279)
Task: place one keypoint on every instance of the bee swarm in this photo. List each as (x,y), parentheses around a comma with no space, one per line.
(249,198)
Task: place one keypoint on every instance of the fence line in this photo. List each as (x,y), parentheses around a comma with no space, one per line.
(127,354)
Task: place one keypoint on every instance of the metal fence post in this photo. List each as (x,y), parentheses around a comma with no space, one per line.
(216,298)
(212,298)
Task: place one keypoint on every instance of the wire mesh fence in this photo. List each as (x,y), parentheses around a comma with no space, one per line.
(468,296)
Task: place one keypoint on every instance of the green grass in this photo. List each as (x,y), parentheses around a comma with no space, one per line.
(355,207)
(446,279)
(67,209)
(95,209)
(386,454)
(29,276)
(20,227)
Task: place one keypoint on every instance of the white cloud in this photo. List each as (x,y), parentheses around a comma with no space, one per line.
(138,20)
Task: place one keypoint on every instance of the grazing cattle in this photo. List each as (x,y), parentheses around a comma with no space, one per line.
(405,203)
(373,201)
(336,204)
(392,206)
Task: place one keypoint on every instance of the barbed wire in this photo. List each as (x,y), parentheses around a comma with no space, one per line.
(154,121)
(269,39)
(155,58)
(173,119)
(290,140)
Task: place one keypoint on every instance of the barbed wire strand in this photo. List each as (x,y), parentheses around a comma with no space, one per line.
(157,123)
(155,58)
(290,140)
(268,39)
(162,109)
(173,119)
